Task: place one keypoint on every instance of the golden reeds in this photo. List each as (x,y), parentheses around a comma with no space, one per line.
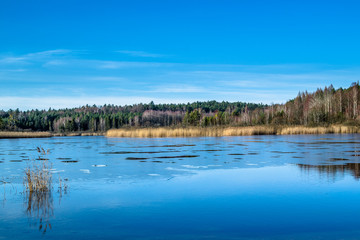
(74,134)
(38,177)
(227,131)
(7,134)
(338,129)
(191,132)
(92,134)
(24,134)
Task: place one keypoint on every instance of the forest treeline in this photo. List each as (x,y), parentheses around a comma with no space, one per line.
(323,107)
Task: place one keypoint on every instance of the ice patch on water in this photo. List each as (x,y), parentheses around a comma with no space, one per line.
(100,165)
(153,174)
(251,164)
(192,166)
(85,170)
(178,169)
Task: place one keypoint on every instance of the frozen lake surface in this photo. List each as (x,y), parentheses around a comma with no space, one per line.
(256,187)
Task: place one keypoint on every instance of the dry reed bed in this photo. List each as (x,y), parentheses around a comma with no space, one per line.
(75,134)
(319,130)
(8,134)
(25,134)
(228,131)
(93,134)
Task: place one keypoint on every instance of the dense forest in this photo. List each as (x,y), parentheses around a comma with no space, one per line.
(323,107)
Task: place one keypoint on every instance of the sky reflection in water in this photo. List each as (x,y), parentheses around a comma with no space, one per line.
(273,187)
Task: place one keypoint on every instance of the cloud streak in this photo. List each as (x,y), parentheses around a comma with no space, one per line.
(59,102)
(128,64)
(141,54)
(36,56)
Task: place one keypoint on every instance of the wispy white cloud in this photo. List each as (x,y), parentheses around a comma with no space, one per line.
(59,102)
(48,53)
(36,56)
(259,80)
(127,64)
(12,60)
(13,70)
(54,63)
(107,79)
(141,54)
(178,89)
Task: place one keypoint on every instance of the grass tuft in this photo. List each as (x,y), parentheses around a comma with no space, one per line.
(38,177)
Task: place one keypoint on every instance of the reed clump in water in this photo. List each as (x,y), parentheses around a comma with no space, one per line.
(38,177)
(7,134)
(228,131)
(38,190)
(38,186)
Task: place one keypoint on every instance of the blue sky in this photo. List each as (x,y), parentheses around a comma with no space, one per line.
(71,53)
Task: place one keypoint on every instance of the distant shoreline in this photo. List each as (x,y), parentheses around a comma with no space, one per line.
(164,132)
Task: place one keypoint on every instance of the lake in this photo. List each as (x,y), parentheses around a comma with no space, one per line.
(254,187)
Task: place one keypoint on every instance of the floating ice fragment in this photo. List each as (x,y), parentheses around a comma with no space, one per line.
(85,170)
(178,169)
(192,166)
(98,165)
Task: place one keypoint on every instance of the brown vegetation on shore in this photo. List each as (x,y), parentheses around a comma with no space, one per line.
(338,129)
(228,131)
(8,134)
(74,134)
(195,132)
(93,134)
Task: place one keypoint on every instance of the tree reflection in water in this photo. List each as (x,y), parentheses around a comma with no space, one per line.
(333,171)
